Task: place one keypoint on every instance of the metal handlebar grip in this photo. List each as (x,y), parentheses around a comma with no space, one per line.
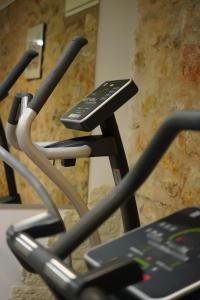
(16,72)
(57,72)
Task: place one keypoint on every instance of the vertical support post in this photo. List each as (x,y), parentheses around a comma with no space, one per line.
(10,177)
(120,168)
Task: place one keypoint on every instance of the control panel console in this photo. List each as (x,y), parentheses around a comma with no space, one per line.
(168,251)
(99,105)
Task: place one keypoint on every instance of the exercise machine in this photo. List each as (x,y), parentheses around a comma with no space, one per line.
(6,85)
(23,137)
(49,223)
(96,109)
(167,250)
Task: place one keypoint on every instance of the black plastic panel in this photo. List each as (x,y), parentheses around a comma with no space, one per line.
(168,252)
(99,105)
(99,145)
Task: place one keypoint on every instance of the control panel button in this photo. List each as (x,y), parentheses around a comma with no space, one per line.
(146,277)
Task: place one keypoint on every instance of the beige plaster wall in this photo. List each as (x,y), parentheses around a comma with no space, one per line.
(167,70)
(79,80)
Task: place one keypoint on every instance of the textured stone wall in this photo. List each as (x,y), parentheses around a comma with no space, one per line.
(167,70)
(79,80)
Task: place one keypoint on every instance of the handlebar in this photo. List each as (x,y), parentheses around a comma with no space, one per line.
(50,266)
(16,72)
(57,72)
(110,277)
(182,120)
(46,223)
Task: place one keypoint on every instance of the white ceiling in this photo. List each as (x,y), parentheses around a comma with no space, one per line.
(5,3)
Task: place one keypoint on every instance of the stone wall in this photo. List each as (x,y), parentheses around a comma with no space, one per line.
(79,80)
(167,70)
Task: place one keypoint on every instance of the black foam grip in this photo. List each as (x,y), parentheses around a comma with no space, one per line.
(12,118)
(14,109)
(16,72)
(57,72)
(182,120)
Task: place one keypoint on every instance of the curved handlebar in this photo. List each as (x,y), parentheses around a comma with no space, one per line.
(178,121)
(110,277)
(16,72)
(46,223)
(56,74)
(183,120)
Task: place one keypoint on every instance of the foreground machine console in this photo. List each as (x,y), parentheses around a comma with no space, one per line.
(168,252)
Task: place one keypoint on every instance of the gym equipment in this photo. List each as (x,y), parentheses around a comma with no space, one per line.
(7,84)
(24,126)
(171,245)
(96,109)
(50,223)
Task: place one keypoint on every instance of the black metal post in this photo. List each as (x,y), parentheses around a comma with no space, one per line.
(10,177)
(120,168)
